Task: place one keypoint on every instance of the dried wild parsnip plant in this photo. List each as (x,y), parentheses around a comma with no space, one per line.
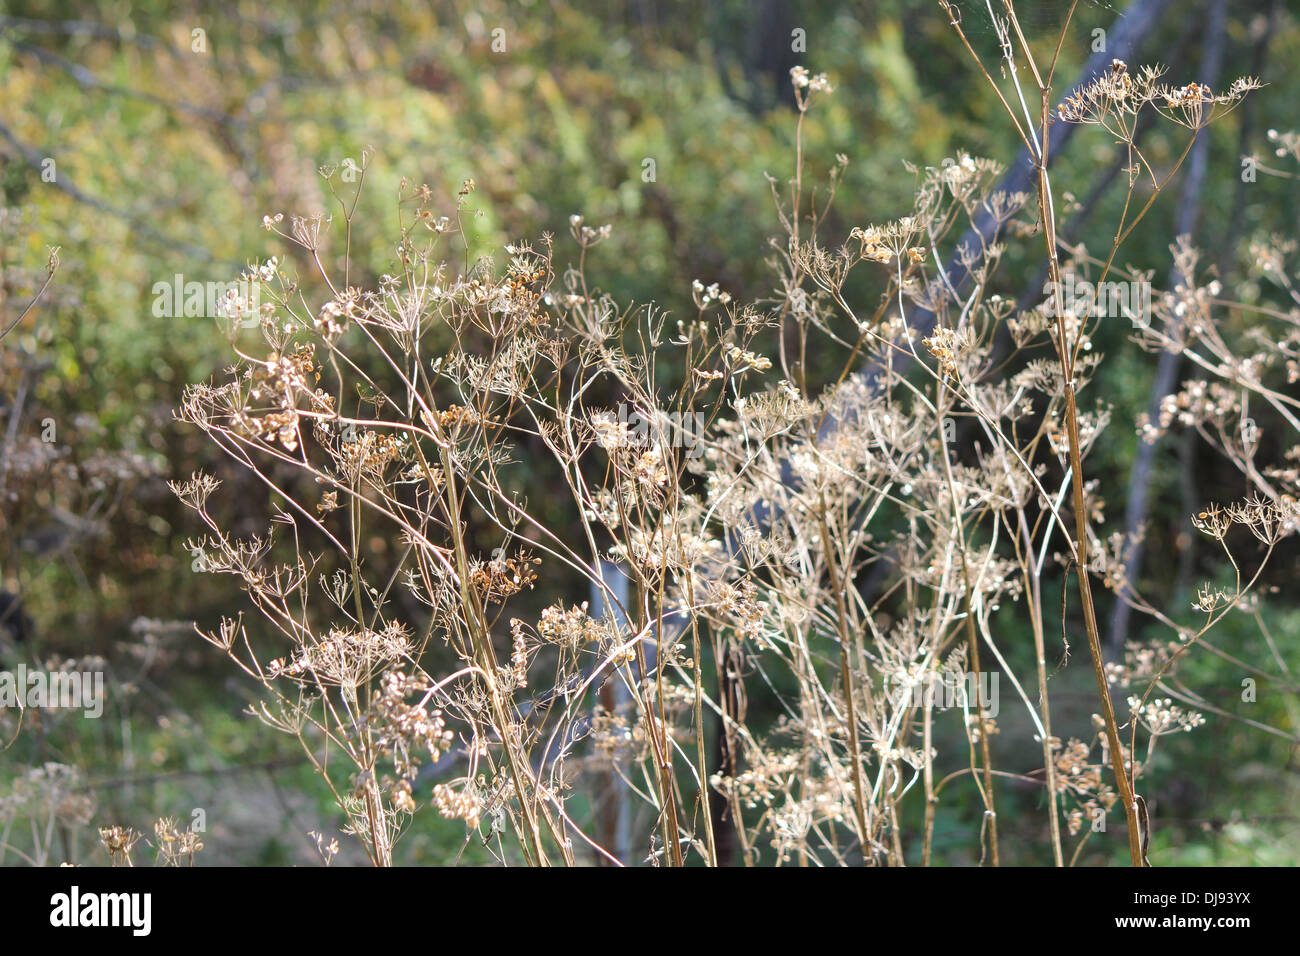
(830,548)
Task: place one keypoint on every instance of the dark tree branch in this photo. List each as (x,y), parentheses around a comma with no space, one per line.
(139,224)
(87,80)
(1122,44)
(1124,39)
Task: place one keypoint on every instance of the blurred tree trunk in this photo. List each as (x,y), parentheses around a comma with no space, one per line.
(1166,380)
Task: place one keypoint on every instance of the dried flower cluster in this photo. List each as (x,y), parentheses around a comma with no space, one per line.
(829,543)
